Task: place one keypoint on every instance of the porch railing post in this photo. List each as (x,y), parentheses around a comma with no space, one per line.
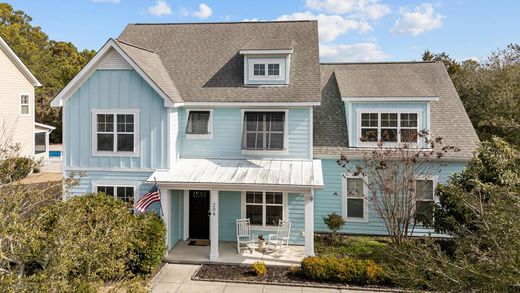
(213,225)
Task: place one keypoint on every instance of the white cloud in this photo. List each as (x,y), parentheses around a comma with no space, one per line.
(160,8)
(203,12)
(330,26)
(415,22)
(109,1)
(370,9)
(359,52)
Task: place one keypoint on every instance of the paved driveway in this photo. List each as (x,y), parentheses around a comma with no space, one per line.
(176,278)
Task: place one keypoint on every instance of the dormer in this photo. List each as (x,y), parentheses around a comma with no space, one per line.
(267,61)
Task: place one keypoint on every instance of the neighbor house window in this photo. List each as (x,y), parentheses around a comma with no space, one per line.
(115,133)
(264,131)
(264,208)
(199,123)
(40,142)
(124,193)
(425,198)
(355,199)
(24,104)
(389,127)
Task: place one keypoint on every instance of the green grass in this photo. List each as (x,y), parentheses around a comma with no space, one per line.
(361,247)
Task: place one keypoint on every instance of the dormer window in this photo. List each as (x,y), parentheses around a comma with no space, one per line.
(267,62)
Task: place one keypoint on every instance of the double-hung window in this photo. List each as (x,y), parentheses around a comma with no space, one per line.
(124,193)
(355,199)
(264,131)
(115,133)
(24,104)
(388,127)
(425,193)
(264,208)
(199,124)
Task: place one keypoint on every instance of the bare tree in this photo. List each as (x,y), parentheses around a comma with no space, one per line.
(392,172)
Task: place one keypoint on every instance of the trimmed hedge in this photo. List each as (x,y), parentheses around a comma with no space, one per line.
(342,270)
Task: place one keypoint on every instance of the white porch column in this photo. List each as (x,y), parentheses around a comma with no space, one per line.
(166,214)
(309,224)
(213,225)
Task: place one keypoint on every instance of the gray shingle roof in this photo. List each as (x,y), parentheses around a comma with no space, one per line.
(204,63)
(448,116)
(268,44)
(151,64)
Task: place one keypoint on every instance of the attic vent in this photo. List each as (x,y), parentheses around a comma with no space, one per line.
(114,61)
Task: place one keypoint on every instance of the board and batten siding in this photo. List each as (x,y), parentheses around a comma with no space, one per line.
(227,136)
(329,199)
(116,89)
(13,83)
(355,107)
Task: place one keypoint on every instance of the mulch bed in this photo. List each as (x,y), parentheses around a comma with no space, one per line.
(276,275)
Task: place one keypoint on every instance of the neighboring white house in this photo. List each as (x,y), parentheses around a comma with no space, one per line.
(17,106)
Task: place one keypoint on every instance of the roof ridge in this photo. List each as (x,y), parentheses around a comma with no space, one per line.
(135,46)
(223,22)
(380,62)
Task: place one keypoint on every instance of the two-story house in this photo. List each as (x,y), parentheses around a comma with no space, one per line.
(240,120)
(17,125)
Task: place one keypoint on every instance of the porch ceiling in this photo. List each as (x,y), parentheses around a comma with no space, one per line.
(271,173)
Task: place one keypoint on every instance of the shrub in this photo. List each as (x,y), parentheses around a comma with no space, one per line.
(342,270)
(91,237)
(15,168)
(335,222)
(148,244)
(259,268)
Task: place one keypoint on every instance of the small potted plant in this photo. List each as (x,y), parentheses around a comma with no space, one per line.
(261,243)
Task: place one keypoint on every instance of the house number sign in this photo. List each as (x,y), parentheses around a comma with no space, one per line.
(214,209)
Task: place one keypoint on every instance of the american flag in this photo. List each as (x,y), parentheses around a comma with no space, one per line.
(153,195)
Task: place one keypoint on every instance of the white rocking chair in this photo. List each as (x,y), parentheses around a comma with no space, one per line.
(244,234)
(281,238)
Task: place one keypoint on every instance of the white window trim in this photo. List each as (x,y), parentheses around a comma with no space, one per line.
(285,150)
(251,65)
(435,180)
(97,153)
(360,143)
(210,125)
(116,184)
(344,198)
(263,227)
(28,104)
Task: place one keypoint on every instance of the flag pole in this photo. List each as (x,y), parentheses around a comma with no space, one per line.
(160,196)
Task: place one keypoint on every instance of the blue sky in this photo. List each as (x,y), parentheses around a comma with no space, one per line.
(350,30)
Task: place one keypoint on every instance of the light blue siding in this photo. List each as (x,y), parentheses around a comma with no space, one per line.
(227,136)
(177,216)
(328,199)
(354,134)
(116,89)
(296,206)
(229,211)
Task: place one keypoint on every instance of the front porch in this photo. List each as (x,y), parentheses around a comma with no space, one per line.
(186,254)
(202,199)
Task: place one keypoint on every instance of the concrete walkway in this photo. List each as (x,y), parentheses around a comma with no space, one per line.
(176,278)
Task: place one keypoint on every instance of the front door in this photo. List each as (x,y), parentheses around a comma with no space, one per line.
(199,218)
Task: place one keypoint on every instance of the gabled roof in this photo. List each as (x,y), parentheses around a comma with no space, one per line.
(143,61)
(204,63)
(448,117)
(18,63)
(268,44)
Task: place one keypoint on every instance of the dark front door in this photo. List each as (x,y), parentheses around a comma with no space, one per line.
(199,218)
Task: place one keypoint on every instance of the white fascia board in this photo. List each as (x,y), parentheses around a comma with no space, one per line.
(389,99)
(266,52)
(248,104)
(18,63)
(85,73)
(44,126)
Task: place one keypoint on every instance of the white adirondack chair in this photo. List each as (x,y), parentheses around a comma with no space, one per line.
(281,239)
(244,234)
